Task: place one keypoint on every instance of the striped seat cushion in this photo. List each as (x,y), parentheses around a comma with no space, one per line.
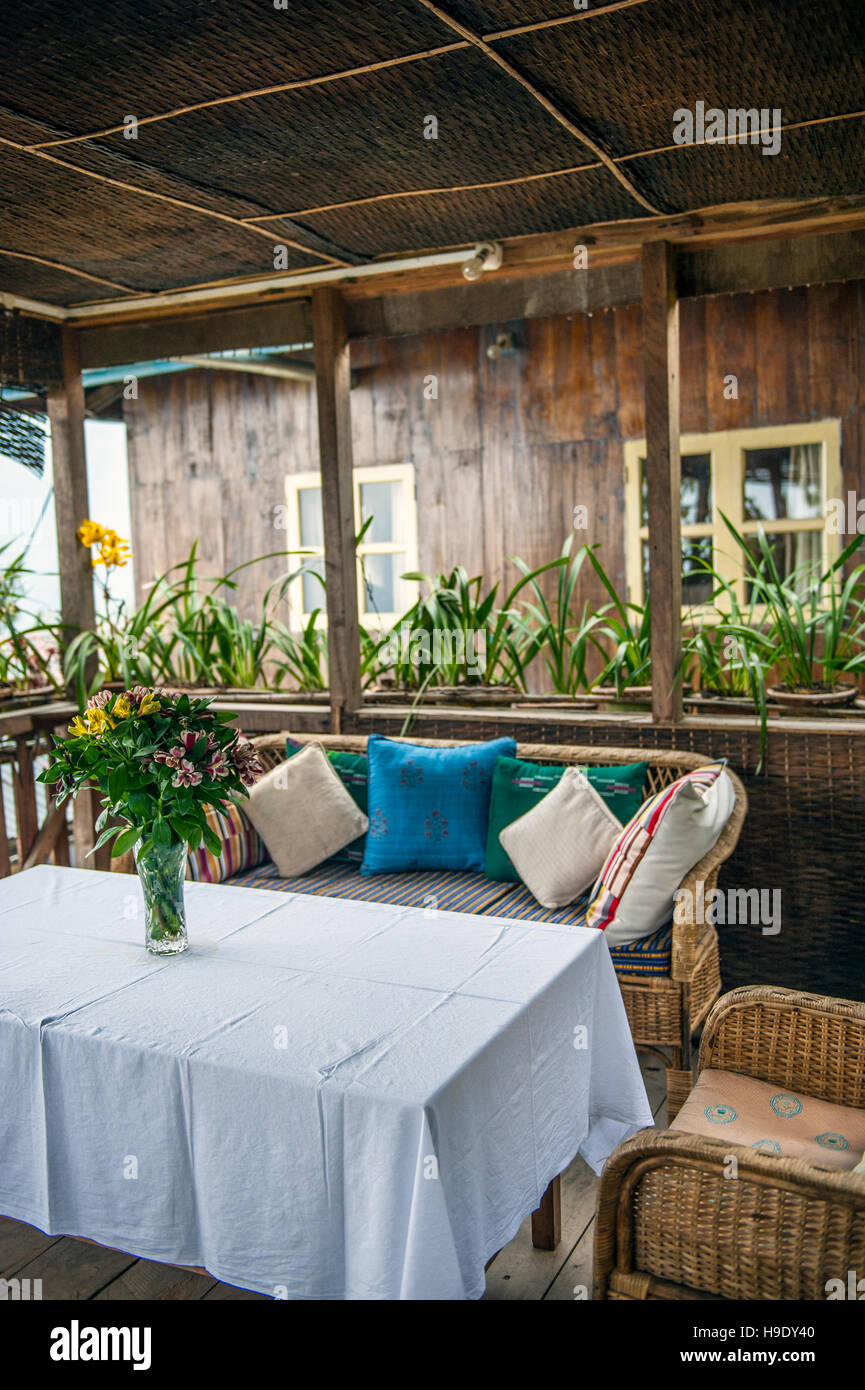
(451,890)
(458,891)
(242,847)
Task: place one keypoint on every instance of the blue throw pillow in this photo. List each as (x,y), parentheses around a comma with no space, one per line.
(428,807)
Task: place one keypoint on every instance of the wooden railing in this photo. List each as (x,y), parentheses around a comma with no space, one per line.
(62,835)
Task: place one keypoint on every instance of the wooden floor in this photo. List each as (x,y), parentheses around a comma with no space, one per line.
(76,1269)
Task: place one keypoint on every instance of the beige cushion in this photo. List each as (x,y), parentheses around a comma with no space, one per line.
(764,1116)
(303,813)
(559,846)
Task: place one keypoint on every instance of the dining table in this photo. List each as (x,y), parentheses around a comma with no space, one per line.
(321,1099)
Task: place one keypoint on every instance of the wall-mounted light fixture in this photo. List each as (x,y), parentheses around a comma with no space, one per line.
(487,255)
(504,346)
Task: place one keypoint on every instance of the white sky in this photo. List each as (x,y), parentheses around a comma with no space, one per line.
(22,496)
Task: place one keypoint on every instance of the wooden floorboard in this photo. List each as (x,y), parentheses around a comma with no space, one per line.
(75,1269)
(19,1244)
(227,1292)
(81,1270)
(145,1279)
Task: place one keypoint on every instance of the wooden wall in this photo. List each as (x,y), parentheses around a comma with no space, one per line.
(506,448)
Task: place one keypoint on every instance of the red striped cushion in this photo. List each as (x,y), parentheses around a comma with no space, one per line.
(242,847)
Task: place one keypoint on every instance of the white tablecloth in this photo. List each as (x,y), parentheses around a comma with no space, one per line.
(320,1099)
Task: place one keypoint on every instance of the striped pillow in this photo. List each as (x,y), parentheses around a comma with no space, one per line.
(670,833)
(242,847)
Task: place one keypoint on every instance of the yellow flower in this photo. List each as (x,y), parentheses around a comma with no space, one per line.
(113,549)
(99,722)
(122,708)
(90,533)
(78,727)
(149,704)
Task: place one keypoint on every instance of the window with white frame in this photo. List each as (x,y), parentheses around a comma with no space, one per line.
(383,496)
(779,478)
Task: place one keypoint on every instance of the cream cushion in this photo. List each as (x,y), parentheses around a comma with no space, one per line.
(303,813)
(765,1116)
(559,846)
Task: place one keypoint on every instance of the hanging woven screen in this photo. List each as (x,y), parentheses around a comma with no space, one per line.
(22,437)
(29,351)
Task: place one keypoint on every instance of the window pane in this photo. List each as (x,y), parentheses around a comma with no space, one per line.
(311,524)
(313,584)
(782,483)
(382,585)
(696,492)
(379,500)
(697,585)
(791,551)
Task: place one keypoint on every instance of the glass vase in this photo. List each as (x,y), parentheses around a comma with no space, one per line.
(161,871)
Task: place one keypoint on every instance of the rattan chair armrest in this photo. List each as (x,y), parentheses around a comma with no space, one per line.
(623,1218)
(804,1042)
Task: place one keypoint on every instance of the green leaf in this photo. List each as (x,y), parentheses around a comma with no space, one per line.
(162,831)
(212,840)
(125,841)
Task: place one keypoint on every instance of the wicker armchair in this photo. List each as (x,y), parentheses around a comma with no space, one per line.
(664,1012)
(672,1222)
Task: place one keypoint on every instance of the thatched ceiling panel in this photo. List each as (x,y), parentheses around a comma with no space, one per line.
(364,136)
(32,280)
(617,72)
(449,219)
(623,76)
(86,64)
(132,241)
(810,161)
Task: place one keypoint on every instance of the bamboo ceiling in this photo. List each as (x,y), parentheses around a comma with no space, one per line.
(303,127)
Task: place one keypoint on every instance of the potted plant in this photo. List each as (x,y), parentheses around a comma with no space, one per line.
(28,643)
(159,763)
(549,629)
(623,638)
(813,625)
(454,636)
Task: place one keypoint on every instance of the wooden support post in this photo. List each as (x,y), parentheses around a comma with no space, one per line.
(547,1220)
(66,413)
(333,384)
(663,475)
(5,857)
(25,798)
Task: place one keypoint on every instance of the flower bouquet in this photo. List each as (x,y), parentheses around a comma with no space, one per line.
(160,762)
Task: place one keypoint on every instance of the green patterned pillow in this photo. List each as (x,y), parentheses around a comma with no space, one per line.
(520,785)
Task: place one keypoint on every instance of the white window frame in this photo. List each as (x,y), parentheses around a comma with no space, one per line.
(405,544)
(727,449)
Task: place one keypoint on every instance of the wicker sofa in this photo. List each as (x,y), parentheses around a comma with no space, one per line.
(666,999)
(672,1224)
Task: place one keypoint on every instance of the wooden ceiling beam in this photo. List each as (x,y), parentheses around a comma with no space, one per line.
(753,265)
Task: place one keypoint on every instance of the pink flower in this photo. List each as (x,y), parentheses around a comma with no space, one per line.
(217,767)
(186,775)
(99,700)
(246,763)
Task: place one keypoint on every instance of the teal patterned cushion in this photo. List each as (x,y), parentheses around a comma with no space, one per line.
(428,807)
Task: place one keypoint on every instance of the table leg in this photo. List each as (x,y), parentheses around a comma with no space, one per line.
(547,1220)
